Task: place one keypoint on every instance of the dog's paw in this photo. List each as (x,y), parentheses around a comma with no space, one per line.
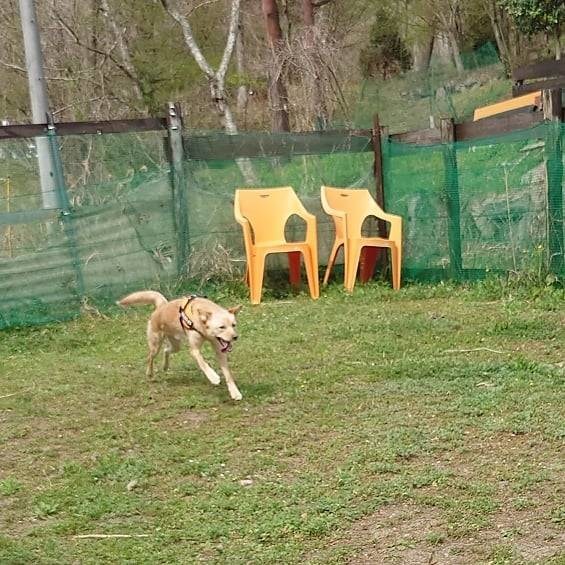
(235,394)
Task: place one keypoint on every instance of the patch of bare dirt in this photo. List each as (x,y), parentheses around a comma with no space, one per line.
(187,419)
(409,534)
(420,533)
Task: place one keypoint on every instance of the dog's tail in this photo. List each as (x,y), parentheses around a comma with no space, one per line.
(143,297)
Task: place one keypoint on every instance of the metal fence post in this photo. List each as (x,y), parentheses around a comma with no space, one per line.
(451,187)
(552,112)
(178,178)
(64,203)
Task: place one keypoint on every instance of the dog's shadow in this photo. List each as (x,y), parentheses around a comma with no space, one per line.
(187,377)
(257,390)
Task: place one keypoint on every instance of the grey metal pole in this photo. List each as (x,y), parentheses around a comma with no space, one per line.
(38,96)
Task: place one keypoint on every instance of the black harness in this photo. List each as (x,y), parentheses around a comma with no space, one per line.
(186,323)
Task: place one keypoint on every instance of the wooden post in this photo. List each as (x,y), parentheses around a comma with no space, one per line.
(451,187)
(64,204)
(552,112)
(378,167)
(370,255)
(178,178)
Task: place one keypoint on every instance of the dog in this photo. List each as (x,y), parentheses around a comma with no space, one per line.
(194,319)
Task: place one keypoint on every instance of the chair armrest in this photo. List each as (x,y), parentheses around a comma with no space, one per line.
(239,218)
(247,232)
(332,211)
(310,219)
(395,226)
(394,220)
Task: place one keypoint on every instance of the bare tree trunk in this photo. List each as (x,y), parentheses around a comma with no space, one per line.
(422,53)
(242,89)
(501,40)
(122,62)
(123,48)
(456,52)
(515,44)
(449,19)
(216,78)
(278,95)
(311,38)
(94,53)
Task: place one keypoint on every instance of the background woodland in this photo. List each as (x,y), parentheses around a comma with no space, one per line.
(255,64)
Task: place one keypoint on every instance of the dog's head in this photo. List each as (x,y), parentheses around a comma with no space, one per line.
(220,326)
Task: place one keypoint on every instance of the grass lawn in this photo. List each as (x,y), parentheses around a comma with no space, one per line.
(424,426)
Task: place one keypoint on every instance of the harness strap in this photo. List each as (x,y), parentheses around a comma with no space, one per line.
(185,321)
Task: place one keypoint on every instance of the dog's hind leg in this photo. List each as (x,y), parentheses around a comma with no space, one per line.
(171,346)
(232,387)
(154,341)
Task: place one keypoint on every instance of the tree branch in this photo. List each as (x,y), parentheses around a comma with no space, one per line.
(189,38)
(124,49)
(47,77)
(232,36)
(105,54)
(13,67)
(320,3)
(201,5)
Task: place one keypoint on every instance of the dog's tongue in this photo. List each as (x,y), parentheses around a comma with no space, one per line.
(225,345)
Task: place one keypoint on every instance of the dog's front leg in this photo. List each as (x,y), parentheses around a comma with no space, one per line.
(211,375)
(232,387)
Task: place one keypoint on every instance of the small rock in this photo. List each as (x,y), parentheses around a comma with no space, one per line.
(132,484)
(246,482)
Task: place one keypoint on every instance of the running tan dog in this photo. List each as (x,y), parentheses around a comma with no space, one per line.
(195,319)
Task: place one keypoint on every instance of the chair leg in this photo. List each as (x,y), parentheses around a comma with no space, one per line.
(396,255)
(331,260)
(311,264)
(257,269)
(345,261)
(354,253)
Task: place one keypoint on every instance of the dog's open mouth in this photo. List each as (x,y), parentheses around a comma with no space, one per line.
(225,346)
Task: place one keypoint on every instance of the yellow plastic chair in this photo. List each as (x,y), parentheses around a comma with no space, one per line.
(349,209)
(263,214)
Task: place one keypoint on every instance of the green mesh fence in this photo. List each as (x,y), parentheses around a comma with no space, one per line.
(304,162)
(113,230)
(477,207)
(469,209)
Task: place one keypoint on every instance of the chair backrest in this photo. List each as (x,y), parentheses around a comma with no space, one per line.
(357,204)
(267,210)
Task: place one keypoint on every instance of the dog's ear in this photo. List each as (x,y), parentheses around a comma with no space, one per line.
(235,309)
(204,315)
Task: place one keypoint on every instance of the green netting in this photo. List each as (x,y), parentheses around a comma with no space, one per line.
(117,231)
(469,209)
(485,202)
(304,162)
